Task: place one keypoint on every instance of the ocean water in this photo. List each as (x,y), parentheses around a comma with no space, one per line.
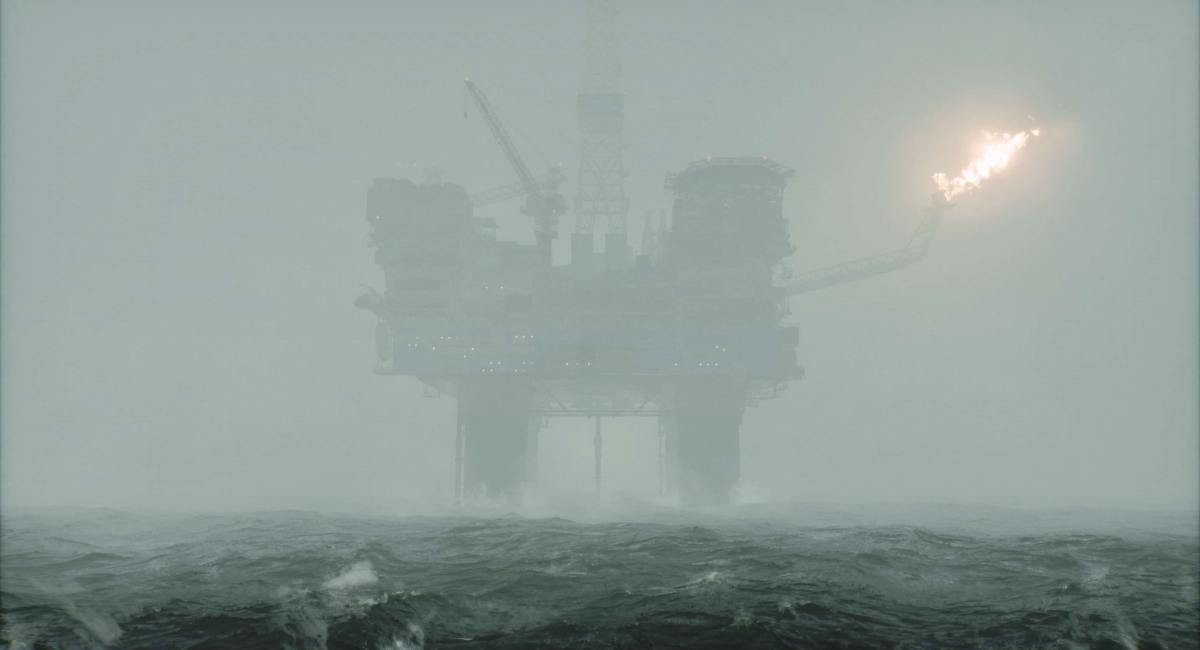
(753,577)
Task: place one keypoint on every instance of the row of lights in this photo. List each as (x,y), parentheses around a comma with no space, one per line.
(586,364)
(518,337)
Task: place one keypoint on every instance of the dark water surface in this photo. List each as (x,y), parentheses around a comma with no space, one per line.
(745,577)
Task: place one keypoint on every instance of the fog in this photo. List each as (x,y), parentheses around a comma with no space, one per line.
(184,237)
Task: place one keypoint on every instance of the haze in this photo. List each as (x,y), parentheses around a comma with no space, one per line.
(183,239)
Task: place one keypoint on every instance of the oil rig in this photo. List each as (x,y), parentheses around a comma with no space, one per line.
(689,329)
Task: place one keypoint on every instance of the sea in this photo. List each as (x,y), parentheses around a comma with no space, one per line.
(755,576)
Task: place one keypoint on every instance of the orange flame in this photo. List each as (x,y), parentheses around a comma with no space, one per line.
(998,150)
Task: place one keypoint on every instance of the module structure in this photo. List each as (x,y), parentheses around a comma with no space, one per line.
(688,331)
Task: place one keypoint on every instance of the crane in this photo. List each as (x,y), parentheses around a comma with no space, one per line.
(545,206)
(549,182)
(911,253)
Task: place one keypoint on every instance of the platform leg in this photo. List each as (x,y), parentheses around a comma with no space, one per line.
(706,418)
(598,449)
(496,422)
(459,448)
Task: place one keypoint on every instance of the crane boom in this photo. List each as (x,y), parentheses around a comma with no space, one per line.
(544,206)
(913,252)
(501,134)
(548,182)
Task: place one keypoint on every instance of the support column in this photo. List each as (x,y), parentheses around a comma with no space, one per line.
(670,455)
(496,421)
(531,449)
(598,448)
(459,444)
(707,418)
(662,457)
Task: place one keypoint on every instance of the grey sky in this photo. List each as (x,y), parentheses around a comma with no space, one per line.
(183,236)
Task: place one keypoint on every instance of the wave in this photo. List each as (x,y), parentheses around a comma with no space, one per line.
(744,579)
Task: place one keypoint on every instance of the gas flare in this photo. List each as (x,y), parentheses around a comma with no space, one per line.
(998,150)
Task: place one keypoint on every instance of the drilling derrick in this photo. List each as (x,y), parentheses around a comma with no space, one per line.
(600,105)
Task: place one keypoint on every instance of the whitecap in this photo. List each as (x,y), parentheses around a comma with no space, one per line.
(357,575)
(414,640)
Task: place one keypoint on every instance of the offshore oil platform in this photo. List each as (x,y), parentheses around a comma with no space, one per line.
(689,329)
